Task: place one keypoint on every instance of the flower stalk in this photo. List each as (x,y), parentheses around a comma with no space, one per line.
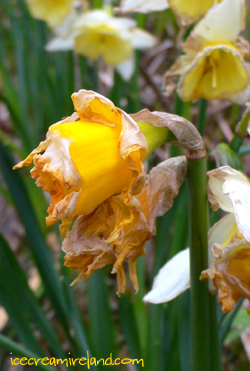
(198,219)
(205,343)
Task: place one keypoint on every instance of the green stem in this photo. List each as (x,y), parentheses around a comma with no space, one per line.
(206,351)
(236,143)
(198,215)
(215,344)
(202,116)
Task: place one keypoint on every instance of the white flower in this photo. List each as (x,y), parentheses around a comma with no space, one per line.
(230,237)
(228,244)
(96,34)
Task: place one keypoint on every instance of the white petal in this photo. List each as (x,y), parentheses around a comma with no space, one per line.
(223,22)
(220,230)
(239,193)
(58,44)
(219,233)
(141,39)
(95,18)
(142,6)
(126,69)
(172,279)
(216,179)
(243,97)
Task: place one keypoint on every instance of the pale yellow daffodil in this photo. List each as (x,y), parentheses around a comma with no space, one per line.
(230,237)
(54,12)
(91,164)
(186,11)
(228,246)
(213,66)
(97,34)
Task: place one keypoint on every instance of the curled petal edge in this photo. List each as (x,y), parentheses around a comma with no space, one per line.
(187,136)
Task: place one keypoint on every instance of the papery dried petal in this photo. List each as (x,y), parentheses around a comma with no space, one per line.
(230,276)
(187,136)
(123,229)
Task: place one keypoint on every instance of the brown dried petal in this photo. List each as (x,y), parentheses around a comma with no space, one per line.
(186,134)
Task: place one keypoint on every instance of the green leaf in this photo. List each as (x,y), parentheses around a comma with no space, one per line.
(15,282)
(100,315)
(16,349)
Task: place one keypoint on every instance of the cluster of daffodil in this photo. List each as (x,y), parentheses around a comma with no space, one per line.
(213,64)
(93,33)
(92,167)
(228,244)
(92,163)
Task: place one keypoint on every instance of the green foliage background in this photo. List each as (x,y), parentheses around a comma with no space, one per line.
(57,319)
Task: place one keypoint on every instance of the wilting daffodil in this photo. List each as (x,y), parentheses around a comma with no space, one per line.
(97,34)
(88,157)
(228,243)
(92,167)
(213,65)
(53,12)
(186,11)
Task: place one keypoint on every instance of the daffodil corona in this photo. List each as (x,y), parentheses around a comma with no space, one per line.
(213,65)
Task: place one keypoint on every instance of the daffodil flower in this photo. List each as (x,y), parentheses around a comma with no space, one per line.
(88,157)
(96,34)
(54,12)
(186,11)
(230,237)
(92,167)
(213,65)
(228,244)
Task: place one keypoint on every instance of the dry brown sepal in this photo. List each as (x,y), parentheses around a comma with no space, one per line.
(187,136)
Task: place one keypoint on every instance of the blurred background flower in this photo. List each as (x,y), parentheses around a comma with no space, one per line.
(213,65)
(96,34)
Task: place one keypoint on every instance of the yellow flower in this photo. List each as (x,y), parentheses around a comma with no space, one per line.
(96,34)
(87,158)
(114,233)
(52,11)
(229,239)
(186,11)
(92,167)
(213,65)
